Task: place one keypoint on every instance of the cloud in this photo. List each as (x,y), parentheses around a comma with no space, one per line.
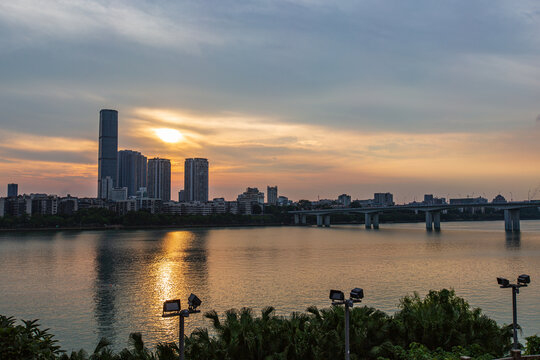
(77,20)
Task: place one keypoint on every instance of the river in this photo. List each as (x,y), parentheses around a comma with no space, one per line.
(88,284)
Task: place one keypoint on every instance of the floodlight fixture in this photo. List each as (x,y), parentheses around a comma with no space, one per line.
(171,308)
(337,295)
(194,302)
(357,294)
(524,279)
(338,298)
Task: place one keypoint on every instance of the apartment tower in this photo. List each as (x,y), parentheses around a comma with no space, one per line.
(159,179)
(132,167)
(196,180)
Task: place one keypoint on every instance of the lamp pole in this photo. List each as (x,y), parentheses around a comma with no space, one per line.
(338,298)
(172,308)
(183,314)
(348,304)
(515,291)
(522,281)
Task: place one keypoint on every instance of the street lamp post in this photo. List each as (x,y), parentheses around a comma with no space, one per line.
(173,308)
(338,298)
(522,281)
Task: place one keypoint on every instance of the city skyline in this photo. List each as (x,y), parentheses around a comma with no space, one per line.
(320,99)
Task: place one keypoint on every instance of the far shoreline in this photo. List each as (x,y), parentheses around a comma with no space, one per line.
(212,226)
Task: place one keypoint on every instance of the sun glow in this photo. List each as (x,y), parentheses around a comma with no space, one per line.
(169,135)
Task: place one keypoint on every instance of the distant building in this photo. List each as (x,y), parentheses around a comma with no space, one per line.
(142,192)
(68,205)
(250,202)
(107,186)
(44,204)
(196,180)
(217,206)
(148,204)
(119,194)
(12,190)
(322,202)
(132,167)
(108,149)
(429,199)
(365,203)
(272,195)
(124,206)
(344,200)
(181,196)
(499,199)
(468,201)
(159,179)
(383,199)
(283,201)
(16,206)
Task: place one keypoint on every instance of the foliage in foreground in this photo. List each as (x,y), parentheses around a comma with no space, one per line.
(440,326)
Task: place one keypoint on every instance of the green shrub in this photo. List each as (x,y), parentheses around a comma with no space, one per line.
(533,345)
(18,342)
(441,326)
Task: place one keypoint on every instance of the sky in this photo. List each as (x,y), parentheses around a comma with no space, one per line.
(317,97)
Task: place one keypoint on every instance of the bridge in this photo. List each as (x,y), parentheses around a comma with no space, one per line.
(433,213)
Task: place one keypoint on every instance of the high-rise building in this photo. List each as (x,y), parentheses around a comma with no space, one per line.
(12,190)
(196,180)
(108,148)
(131,171)
(272,195)
(159,179)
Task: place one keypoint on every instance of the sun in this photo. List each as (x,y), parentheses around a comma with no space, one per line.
(169,135)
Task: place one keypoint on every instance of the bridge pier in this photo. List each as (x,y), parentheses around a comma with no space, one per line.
(437,220)
(429,221)
(433,220)
(327,220)
(375,221)
(319,220)
(304,221)
(367,221)
(512,220)
(296,219)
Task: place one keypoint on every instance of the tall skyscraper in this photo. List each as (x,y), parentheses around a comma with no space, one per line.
(196,180)
(272,195)
(159,179)
(12,190)
(108,147)
(131,170)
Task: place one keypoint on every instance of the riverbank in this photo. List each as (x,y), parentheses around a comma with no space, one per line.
(145,227)
(217,226)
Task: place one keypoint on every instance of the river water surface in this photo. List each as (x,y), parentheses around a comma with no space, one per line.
(85,285)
